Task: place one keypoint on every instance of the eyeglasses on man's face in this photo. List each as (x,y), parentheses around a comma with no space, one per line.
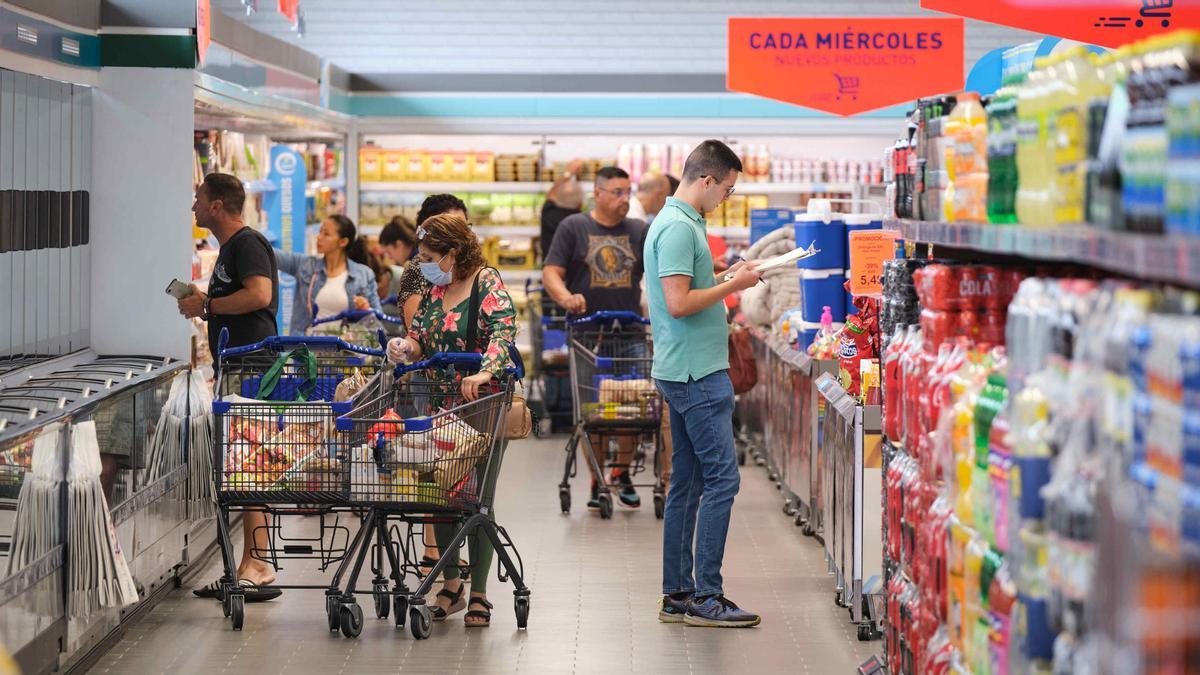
(617,193)
(728,191)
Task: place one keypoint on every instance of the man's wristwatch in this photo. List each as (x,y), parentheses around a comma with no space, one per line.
(206,312)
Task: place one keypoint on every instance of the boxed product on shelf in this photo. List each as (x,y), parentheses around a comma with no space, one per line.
(765,221)
(483,166)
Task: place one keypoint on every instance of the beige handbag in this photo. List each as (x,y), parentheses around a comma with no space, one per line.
(520,420)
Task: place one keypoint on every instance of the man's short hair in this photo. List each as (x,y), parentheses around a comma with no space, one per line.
(674,184)
(652,182)
(227,189)
(610,173)
(711,158)
(436,205)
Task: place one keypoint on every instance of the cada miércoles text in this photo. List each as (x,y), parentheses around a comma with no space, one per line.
(847,40)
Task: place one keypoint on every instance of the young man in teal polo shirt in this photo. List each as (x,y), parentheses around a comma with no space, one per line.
(691,363)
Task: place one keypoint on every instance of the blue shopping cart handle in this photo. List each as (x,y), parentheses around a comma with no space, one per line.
(608,315)
(355,315)
(463,359)
(321,342)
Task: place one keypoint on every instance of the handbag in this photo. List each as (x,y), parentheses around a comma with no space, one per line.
(743,369)
(519,422)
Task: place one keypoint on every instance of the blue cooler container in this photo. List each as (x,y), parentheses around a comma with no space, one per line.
(829,236)
(822,288)
(766,221)
(809,331)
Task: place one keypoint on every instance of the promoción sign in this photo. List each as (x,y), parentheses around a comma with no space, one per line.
(845,66)
(1107,23)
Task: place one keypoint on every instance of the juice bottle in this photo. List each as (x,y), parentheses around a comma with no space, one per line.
(967,127)
(1078,82)
(1035,158)
(1002,153)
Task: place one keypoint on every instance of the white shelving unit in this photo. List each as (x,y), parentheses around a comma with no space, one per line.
(540,186)
(508,230)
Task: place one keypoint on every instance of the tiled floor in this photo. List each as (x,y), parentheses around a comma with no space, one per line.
(594,605)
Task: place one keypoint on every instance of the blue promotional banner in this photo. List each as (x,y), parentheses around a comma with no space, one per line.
(285,218)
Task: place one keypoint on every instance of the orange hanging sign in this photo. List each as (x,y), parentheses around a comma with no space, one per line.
(869,249)
(845,66)
(203,28)
(290,9)
(1107,23)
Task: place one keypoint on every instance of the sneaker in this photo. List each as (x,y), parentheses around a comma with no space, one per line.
(717,611)
(594,502)
(672,610)
(628,496)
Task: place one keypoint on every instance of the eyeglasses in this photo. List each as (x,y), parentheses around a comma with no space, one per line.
(729,191)
(617,193)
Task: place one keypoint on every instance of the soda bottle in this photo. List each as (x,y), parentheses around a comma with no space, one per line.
(967,127)
(1002,153)
(1035,159)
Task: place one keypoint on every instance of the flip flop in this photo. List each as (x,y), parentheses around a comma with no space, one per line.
(252,591)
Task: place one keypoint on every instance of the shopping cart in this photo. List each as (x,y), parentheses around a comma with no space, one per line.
(357,326)
(1156,9)
(549,381)
(422,455)
(276,449)
(614,397)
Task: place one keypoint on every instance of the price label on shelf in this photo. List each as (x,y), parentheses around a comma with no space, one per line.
(869,249)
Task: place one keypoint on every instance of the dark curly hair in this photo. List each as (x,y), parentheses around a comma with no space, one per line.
(436,205)
(448,232)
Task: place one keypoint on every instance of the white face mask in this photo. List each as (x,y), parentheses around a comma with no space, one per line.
(434,274)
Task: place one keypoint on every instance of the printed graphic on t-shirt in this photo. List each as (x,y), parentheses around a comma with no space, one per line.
(611,260)
(219,272)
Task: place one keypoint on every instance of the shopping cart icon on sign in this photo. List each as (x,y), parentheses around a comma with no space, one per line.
(847,86)
(1155,9)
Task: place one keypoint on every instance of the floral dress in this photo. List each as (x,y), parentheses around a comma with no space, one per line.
(438,329)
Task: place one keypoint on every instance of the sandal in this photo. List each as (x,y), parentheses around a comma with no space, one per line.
(485,614)
(252,591)
(457,603)
(428,562)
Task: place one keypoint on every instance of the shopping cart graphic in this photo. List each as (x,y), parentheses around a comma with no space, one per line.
(847,86)
(1155,9)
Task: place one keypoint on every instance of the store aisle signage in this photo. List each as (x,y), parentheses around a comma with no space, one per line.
(1107,23)
(845,66)
(286,216)
(869,249)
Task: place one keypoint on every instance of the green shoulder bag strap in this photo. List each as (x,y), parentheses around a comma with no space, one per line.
(270,379)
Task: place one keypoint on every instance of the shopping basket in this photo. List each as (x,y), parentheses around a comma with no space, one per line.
(422,454)
(611,356)
(276,449)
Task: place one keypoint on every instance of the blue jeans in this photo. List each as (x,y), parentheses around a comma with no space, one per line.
(704,481)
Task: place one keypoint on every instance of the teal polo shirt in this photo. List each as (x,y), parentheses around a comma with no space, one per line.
(697,345)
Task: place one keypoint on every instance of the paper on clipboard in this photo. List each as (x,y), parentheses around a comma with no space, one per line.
(784,259)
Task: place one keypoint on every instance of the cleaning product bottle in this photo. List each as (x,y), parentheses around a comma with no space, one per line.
(1035,159)
(1080,84)
(967,127)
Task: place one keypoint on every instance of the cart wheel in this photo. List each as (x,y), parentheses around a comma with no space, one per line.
(225,604)
(333,613)
(741,456)
(400,609)
(420,622)
(865,634)
(521,606)
(382,605)
(352,620)
(808,530)
(564,500)
(660,505)
(838,598)
(775,479)
(606,507)
(800,520)
(237,610)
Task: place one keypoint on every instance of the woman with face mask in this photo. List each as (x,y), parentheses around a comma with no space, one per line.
(451,260)
(335,281)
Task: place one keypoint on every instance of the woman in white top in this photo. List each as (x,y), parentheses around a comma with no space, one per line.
(336,280)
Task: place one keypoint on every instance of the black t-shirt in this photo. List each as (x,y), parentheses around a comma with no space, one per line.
(552,217)
(246,254)
(604,264)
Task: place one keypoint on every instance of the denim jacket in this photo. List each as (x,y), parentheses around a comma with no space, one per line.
(310,279)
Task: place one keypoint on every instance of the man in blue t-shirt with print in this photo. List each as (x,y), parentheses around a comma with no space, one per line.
(691,363)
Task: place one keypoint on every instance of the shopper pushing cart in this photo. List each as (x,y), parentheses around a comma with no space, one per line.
(595,265)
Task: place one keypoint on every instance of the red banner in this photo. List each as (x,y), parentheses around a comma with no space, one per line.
(290,9)
(845,66)
(1107,23)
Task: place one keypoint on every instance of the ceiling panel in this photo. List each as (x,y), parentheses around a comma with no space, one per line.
(553,36)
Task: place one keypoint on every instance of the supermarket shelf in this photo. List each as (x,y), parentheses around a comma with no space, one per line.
(508,230)
(1153,257)
(737,233)
(792,188)
(512,277)
(338,183)
(516,188)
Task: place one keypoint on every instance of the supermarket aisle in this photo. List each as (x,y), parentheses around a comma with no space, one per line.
(594,608)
